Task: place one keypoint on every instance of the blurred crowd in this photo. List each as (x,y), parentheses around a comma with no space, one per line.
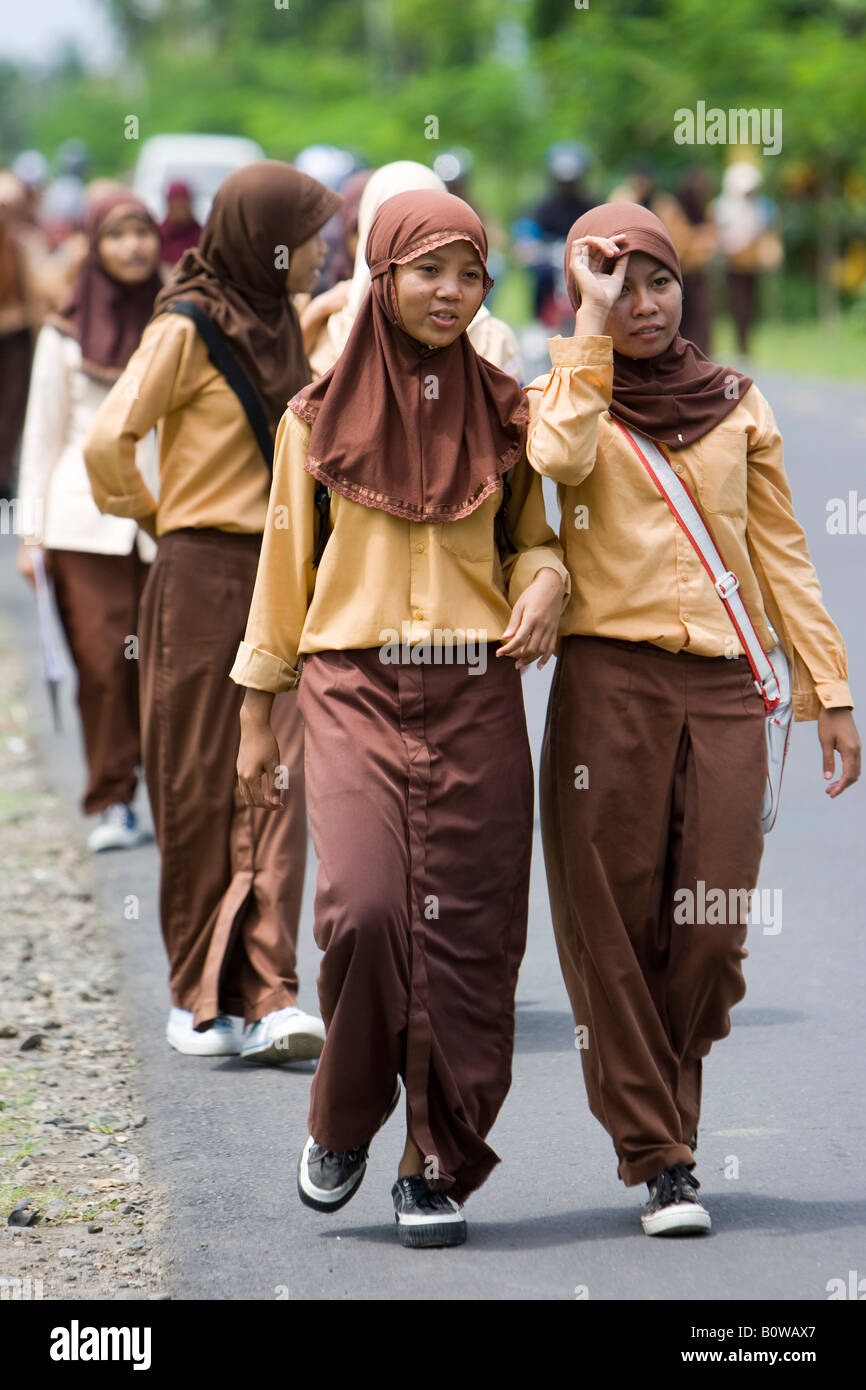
(725,239)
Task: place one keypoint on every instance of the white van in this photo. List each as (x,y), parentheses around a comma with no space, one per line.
(202,161)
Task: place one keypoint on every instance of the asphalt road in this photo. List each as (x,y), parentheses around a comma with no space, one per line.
(783,1094)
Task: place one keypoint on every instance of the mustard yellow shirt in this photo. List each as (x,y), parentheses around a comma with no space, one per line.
(211,470)
(635,573)
(381,578)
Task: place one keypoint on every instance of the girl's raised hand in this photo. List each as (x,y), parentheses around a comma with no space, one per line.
(598,290)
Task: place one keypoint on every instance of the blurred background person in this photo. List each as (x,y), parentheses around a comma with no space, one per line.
(539,237)
(21,311)
(694,236)
(62,206)
(748,241)
(98,563)
(455,168)
(179,230)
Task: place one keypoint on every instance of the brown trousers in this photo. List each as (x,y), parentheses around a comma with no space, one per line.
(231,877)
(652,778)
(97,599)
(743,303)
(419,784)
(16,354)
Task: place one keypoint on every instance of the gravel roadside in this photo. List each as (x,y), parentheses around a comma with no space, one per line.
(71,1116)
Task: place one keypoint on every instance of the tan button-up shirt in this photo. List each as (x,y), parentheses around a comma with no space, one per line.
(635,573)
(211,470)
(382,579)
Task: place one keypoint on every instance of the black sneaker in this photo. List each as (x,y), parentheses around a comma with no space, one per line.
(426,1218)
(328,1180)
(674,1207)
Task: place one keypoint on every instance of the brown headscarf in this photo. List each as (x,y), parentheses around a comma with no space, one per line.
(104,315)
(237,273)
(377,438)
(679,395)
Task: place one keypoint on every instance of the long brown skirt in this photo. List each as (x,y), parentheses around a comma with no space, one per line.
(419,787)
(652,779)
(231,877)
(97,599)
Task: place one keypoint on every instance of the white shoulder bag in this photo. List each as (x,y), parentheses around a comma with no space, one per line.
(771,670)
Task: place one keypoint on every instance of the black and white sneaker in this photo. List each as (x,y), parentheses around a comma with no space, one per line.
(674,1208)
(328,1180)
(426,1218)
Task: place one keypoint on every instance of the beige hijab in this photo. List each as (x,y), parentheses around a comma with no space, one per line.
(403,176)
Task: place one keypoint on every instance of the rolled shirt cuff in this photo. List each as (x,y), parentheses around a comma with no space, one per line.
(137,505)
(261,670)
(526,567)
(583,351)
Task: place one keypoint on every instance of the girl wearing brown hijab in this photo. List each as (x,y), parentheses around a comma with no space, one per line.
(418,774)
(231,877)
(98,563)
(654,761)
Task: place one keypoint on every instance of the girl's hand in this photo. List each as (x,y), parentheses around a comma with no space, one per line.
(24,563)
(838,732)
(534,622)
(258,754)
(599,291)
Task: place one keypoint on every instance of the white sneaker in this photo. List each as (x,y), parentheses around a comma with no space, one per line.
(118,828)
(287,1035)
(222,1039)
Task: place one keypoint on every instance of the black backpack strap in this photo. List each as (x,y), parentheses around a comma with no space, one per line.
(500,521)
(323,507)
(225,361)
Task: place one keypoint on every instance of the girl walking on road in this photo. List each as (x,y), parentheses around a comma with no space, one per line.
(98,563)
(655,763)
(231,877)
(407,636)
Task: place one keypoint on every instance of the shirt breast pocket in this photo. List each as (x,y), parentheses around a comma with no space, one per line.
(722,471)
(469,538)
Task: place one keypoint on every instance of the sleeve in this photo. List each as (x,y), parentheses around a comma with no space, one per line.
(496,342)
(565,405)
(534,544)
(46,426)
(789,585)
(159,378)
(267,658)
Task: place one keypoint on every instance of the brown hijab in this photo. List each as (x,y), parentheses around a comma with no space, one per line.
(237,273)
(679,395)
(104,315)
(378,436)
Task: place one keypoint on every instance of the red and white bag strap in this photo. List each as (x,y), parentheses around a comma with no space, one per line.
(725,582)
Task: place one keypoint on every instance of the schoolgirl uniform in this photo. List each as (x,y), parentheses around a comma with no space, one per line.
(98,563)
(654,759)
(419,779)
(231,877)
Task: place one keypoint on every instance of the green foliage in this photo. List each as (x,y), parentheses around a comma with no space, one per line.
(367,73)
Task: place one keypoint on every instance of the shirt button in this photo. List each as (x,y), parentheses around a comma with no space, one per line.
(419,615)
(419,547)
(678,468)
